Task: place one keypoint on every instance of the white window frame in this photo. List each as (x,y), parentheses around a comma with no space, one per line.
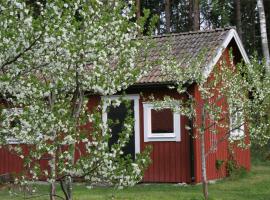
(152,137)
(135,98)
(237,134)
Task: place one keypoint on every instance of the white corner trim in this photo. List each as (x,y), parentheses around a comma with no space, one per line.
(149,137)
(232,34)
(134,97)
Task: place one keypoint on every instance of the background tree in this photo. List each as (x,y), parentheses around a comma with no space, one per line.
(180,16)
(155,8)
(216,13)
(168,15)
(196,15)
(213,14)
(264,39)
(238,17)
(138,9)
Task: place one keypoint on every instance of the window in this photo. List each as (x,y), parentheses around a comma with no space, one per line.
(160,124)
(133,97)
(237,126)
(15,122)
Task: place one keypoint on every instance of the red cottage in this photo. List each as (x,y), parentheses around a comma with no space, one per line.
(175,155)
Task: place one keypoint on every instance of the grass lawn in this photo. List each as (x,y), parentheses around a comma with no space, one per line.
(252,186)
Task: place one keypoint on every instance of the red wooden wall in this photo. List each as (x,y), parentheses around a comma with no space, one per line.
(241,156)
(170,160)
(9,163)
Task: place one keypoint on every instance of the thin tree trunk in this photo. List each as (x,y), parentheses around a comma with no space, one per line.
(265,47)
(253,23)
(203,157)
(52,184)
(238,17)
(77,103)
(196,15)
(158,9)
(138,9)
(168,15)
(53,160)
(190,15)
(208,17)
(69,187)
(52,191)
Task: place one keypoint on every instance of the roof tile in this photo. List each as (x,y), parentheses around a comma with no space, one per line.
(185,46)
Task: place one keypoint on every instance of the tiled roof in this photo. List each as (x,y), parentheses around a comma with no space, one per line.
(185,47)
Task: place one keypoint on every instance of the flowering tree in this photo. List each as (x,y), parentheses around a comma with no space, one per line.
(51,53)
(234,98)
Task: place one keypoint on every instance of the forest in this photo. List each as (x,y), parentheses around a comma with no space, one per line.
(175,16)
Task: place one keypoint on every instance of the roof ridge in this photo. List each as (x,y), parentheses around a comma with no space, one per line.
(194,32)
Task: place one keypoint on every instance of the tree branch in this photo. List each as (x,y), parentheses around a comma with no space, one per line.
(63,188)
(8,62)
(226,136)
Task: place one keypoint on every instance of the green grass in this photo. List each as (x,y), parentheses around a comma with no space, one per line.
(251,186)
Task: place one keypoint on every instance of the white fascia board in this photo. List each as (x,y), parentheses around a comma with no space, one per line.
(232,34)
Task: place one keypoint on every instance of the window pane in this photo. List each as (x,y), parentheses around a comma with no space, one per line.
(162,121)
(117,115)
(237,127)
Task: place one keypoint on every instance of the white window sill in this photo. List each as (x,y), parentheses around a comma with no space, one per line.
(161,135)
(14,141)
(161,139)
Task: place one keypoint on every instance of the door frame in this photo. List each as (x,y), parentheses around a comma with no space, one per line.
(135,98)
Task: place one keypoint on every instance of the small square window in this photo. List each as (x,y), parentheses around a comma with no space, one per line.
(162,121)
(160,124)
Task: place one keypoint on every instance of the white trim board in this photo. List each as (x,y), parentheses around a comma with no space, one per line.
(232,34)
(134,97)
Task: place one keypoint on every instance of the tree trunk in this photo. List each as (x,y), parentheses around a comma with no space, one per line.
(52,191)
(69,187)
(158,9)
(77,103)
(53,160)
(138,9)
(52,184)
(190,15)
(238,17)
(203,157)
(196,15)
(168,15)
(253,23)
(265,48)
(208,16)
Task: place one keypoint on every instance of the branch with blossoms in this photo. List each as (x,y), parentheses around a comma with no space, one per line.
(231,91)
(55,55)
(10,61)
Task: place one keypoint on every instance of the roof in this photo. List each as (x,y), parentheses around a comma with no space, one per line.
(189,45)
